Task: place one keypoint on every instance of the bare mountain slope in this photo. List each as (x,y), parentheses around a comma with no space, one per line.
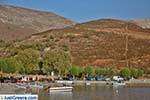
(29,21)
(145,23)
(98,43)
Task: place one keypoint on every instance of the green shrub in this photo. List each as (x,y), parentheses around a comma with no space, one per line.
(108,72)
(89,71)
(126,73)
(140,72)
(65,47)
(75,71)
(51,37)
(134,73)
(9,65)
(99,71)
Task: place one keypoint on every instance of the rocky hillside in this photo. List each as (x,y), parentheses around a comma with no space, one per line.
(145,23)
(16,22)
(104,42)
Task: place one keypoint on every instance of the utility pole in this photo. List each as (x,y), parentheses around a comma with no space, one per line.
(126,51)
(126,47)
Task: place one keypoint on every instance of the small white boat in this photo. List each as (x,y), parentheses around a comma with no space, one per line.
(119,83)
(22,86)
(87,84)
(61,89)
(64,82)
(35,86)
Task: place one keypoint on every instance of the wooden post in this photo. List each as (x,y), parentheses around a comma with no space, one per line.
(126,47)
(126,52)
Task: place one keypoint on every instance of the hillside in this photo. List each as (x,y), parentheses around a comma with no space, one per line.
(145,23)
(104,42)
(16,22)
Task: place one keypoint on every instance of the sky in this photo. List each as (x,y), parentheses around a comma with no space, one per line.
(86,10)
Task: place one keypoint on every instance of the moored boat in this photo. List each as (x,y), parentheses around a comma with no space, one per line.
(119,83)
(87,84)
(35,86)
(22,86)
(61,89)
(64,82)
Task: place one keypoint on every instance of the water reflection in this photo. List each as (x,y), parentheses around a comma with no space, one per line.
(60,96)
(97,93)
(111,93)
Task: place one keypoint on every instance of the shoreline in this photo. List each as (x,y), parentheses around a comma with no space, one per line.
(133,82)
(9,88)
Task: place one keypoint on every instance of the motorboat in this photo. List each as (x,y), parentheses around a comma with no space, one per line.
(22,86)
(119,83)
(64,82)
(87,84)
(35,86)
(61,89)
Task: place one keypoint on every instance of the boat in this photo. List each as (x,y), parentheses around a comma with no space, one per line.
(35,86)
(119,83)
(64,82)
(61,89)
(22,86)
(87,84)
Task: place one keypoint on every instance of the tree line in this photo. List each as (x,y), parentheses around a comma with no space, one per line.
(30,61)
(127,73)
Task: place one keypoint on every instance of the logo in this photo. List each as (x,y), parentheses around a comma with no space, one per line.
(18,97)
(1,97)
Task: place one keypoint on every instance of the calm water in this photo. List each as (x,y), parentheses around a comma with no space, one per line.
(99,93)
(96,93)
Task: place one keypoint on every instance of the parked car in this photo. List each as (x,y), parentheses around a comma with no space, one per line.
(70,78)
(98,78)
(106,79)
(90,78)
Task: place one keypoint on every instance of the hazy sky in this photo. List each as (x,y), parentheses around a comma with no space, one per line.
(85,10)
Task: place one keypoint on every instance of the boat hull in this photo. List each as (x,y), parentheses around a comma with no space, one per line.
(119,84)
(60,89)
(36,86)
(19,86)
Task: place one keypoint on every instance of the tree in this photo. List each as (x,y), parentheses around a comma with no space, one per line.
(140,72)
(9,65)
(3,65)
(126,73)
(99,71)
(89,71)
(75,71)
(134,73)
(58,61)
(29,60)
(108,72)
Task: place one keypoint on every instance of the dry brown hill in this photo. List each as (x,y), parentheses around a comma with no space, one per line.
(145,23)
(16,22)
(105,42)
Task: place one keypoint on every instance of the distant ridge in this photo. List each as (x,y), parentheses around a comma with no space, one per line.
(17,22)
(145,23)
